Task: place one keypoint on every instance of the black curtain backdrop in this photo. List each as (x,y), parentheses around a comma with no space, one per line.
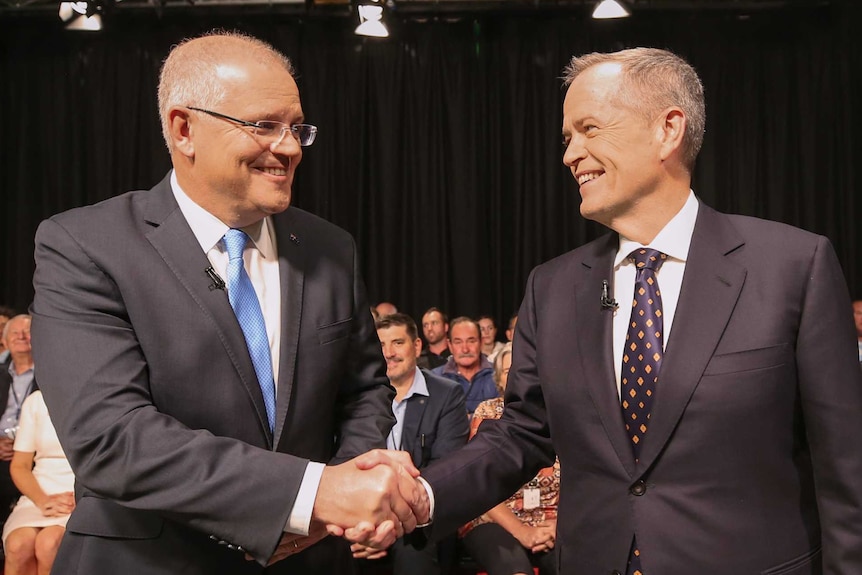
(439,148)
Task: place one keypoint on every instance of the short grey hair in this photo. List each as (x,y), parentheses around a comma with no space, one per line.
(189,76)
(654,79)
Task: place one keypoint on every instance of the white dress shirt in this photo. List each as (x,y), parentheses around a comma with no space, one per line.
(673,240)
(261,263)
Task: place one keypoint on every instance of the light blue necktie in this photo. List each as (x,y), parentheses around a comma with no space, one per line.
(243,300)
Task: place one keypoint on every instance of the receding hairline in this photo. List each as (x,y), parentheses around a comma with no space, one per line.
(190,75)
(650,80)
(222,47)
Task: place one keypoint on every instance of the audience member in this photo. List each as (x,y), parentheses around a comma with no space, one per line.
(429,412)
(435,327)
(385,308)
(6,313)
(16,383)
(39,468)
(467,366)
(510,331)
(488,330)
(519,533)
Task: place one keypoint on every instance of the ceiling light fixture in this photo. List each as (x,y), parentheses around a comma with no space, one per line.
(610,9)
(371,21)
(82,15)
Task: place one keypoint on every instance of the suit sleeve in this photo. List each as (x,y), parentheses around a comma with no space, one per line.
(364,410)
(94,377)
(509,451)
(830,385)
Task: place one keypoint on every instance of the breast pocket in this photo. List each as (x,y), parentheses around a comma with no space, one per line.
(334,331)
(809,563)
(750,360)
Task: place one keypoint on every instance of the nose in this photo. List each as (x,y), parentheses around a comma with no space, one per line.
(286,144)
(575,151)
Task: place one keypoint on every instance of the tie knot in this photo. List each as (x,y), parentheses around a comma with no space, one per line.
(647,258)
(234,242)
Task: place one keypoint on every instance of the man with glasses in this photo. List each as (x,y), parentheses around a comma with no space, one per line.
(205,349)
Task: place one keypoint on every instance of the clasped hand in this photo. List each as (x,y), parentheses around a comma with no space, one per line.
(372,499)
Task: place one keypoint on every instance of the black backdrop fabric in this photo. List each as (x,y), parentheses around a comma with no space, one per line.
(439,148)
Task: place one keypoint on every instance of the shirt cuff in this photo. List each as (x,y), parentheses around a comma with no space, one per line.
(300,516)
(430,502)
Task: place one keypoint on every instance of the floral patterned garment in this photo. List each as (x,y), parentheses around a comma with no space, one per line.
(547,480)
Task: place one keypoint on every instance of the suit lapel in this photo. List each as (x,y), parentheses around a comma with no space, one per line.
(175,242)
(710,289)
(291,271)
(594,325)
(412,419)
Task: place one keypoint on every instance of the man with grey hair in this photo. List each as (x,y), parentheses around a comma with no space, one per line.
(17,381)
(706,423)
(6,313)
(205,349)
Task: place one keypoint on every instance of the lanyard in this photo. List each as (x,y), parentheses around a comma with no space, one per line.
(20,400)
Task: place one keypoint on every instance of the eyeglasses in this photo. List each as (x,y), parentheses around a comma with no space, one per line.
(271,130)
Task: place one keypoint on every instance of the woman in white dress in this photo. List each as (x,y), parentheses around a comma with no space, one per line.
(33,531)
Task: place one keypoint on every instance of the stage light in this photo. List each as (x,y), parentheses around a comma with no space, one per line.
(82,15)
(610,9)
(371,21)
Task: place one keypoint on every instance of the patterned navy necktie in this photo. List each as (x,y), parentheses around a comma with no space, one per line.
(642,357)
(243,300)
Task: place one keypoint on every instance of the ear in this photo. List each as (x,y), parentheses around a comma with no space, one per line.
(671,132)
(180,132)
(417,347)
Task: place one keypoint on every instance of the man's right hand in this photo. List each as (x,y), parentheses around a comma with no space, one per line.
(364,496)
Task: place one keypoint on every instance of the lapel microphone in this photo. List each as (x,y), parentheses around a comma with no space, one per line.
(218,283)
(607,302)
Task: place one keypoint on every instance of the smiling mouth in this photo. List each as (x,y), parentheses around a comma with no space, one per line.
(588,177)
(274,171)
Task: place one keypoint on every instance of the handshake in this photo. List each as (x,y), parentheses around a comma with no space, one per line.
(371,501)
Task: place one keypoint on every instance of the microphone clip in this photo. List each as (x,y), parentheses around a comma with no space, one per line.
(608,302)
(217,282)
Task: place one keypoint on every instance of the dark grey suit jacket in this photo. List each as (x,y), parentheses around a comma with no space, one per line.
(152,391)
(750,465)
(435,425)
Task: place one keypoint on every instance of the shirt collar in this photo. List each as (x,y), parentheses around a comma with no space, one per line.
(15,374)
(673,240)
(418,387)
(209,230)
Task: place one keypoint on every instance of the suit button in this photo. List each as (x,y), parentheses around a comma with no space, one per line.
(615,572)
(639,488)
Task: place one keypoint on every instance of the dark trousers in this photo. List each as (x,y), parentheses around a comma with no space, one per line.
(8,492)
(499,553)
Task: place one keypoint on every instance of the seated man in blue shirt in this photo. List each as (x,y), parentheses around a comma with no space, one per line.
(467,365)
(430,422)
